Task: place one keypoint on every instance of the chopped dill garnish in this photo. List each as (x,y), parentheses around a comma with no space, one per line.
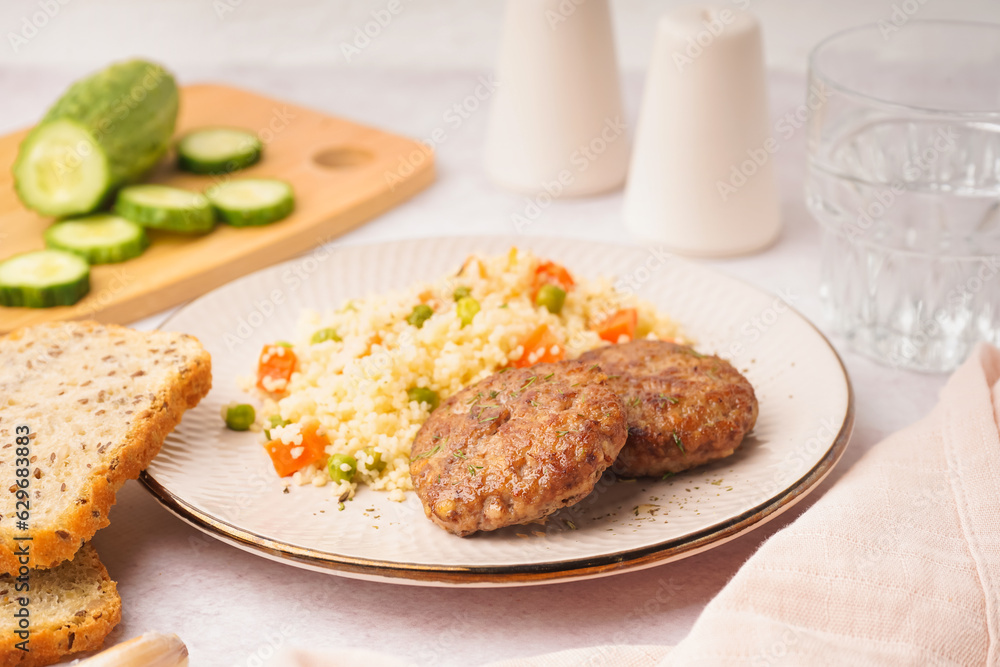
(458,454)
(673,399)
(677,441)
(529,382)
(668,475)
(494,394)
(473,469)
(634,401)
(548,377)
(425,455)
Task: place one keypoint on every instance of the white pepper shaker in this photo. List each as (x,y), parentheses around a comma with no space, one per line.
(702,178)
(556,121)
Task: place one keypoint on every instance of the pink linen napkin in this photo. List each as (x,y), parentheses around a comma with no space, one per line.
(898,564)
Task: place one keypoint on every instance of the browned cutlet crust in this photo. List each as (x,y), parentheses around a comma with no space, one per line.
(517,446)
(684,408)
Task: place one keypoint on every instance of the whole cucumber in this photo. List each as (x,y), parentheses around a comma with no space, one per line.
(105,131)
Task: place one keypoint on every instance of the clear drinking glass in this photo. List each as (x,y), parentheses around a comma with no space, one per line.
(904,179)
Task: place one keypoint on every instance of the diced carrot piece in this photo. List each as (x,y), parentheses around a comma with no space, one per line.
(512,256)
(622,323)
(550,273)
(538,348)
(312,450)
(277,362)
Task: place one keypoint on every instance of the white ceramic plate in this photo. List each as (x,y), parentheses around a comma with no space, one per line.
(222,482)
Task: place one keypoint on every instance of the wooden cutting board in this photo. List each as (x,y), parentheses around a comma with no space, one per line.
(343,174)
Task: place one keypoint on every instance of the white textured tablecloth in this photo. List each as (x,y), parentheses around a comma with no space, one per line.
(233,608)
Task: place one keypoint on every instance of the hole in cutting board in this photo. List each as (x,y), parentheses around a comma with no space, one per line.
(342,157)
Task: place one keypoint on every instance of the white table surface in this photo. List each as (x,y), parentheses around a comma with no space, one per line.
(428,35)
(232,608)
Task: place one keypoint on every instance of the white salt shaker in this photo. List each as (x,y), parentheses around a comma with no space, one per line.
(556,122)
(702,180)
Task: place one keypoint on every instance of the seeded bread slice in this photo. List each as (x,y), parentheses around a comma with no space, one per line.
(98,401)
(71,608)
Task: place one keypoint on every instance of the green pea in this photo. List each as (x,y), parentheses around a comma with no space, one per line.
(467,307)
(239,416)
(461,292)
(377,464)
(273,421)
(423,395)
(283,343)
(324,335)
(421,313)
(552,297)
(342,467)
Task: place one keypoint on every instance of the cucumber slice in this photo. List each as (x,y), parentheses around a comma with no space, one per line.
(164,207)
(108,129)
(217,150)
(99,239)
(60,170)
(43,278)
(252,201)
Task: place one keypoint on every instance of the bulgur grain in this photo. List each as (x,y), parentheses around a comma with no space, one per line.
(356,387)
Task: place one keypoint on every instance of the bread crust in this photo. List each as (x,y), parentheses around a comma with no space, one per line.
(51,643)
(81,520)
